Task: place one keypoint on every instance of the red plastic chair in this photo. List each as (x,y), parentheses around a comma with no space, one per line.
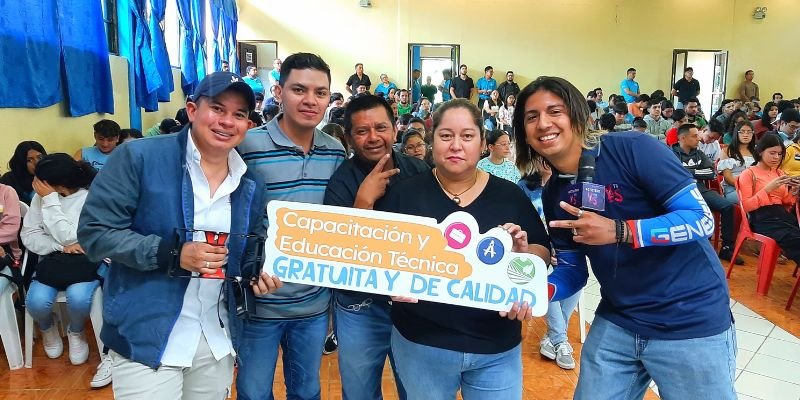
(767,258)
(717,184)
(720,179)
(797,282)
(716,235)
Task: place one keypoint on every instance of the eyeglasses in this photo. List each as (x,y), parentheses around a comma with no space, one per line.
(746,131)
(412,147)
(503,144)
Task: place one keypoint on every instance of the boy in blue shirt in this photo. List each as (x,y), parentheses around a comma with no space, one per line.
(106,137)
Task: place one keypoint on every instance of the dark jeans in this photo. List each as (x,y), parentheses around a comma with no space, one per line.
(301,341)
(364,330)
(774,221)
(724,206)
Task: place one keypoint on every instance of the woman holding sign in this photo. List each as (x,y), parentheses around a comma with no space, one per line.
(431,341)
(665,314)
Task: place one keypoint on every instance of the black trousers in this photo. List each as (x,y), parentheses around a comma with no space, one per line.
(774,221)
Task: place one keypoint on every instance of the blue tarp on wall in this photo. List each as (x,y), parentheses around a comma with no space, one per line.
(54,51)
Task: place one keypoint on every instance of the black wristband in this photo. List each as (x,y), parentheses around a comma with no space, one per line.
(620,230)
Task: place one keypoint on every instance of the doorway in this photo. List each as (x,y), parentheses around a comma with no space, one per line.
(431,60)
(710,69)
(258,53)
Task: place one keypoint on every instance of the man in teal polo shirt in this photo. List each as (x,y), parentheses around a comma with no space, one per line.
(486,85)
(253,81)
(629,87)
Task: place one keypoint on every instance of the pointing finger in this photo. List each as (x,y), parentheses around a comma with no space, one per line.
(381,163)
(570,209)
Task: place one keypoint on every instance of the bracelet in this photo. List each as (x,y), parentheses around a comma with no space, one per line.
(620,230)
(627,238)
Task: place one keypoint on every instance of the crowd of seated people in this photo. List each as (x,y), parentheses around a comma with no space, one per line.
(741,141)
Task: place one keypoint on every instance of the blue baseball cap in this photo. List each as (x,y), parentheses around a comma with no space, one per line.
(214,84)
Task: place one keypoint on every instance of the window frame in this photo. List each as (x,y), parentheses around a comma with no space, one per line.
(111,23)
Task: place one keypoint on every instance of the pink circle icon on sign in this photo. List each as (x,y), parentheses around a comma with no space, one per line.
(458,235)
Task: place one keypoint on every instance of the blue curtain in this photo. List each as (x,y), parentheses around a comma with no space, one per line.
(230,19)
(84,51)
(54,51)
(216,17)
(147,78)
(224,45)
(199,24)
(158,47)
(30,54)
(188,71)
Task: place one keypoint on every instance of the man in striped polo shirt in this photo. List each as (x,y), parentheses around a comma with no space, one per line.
(296,161)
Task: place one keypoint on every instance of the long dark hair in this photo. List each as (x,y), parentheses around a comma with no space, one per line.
(733,149)
(769,140)
(499,102)
(61,169)
(731,123)
(578,111)
(765,121)
(18,164)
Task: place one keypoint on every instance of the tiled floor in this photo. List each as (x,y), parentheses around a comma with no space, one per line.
(768,359)
(768,362)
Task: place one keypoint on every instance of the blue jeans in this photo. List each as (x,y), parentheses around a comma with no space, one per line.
(618,364)
(41,297)
(558,314)
(364,331)
(730,193)
(724,206)
(432,373)
(301,340)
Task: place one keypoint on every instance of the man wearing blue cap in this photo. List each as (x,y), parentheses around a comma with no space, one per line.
(180,218)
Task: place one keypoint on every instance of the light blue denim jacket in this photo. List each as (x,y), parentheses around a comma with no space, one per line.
(135,207)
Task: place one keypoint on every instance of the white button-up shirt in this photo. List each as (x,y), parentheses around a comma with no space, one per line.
(203,304)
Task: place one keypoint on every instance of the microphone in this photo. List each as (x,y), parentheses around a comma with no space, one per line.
(586,194)
(586,168)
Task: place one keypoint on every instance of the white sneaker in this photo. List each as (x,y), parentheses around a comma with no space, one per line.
(102,377)
(78,348)
(547,349)
(53,345)
(564,357)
